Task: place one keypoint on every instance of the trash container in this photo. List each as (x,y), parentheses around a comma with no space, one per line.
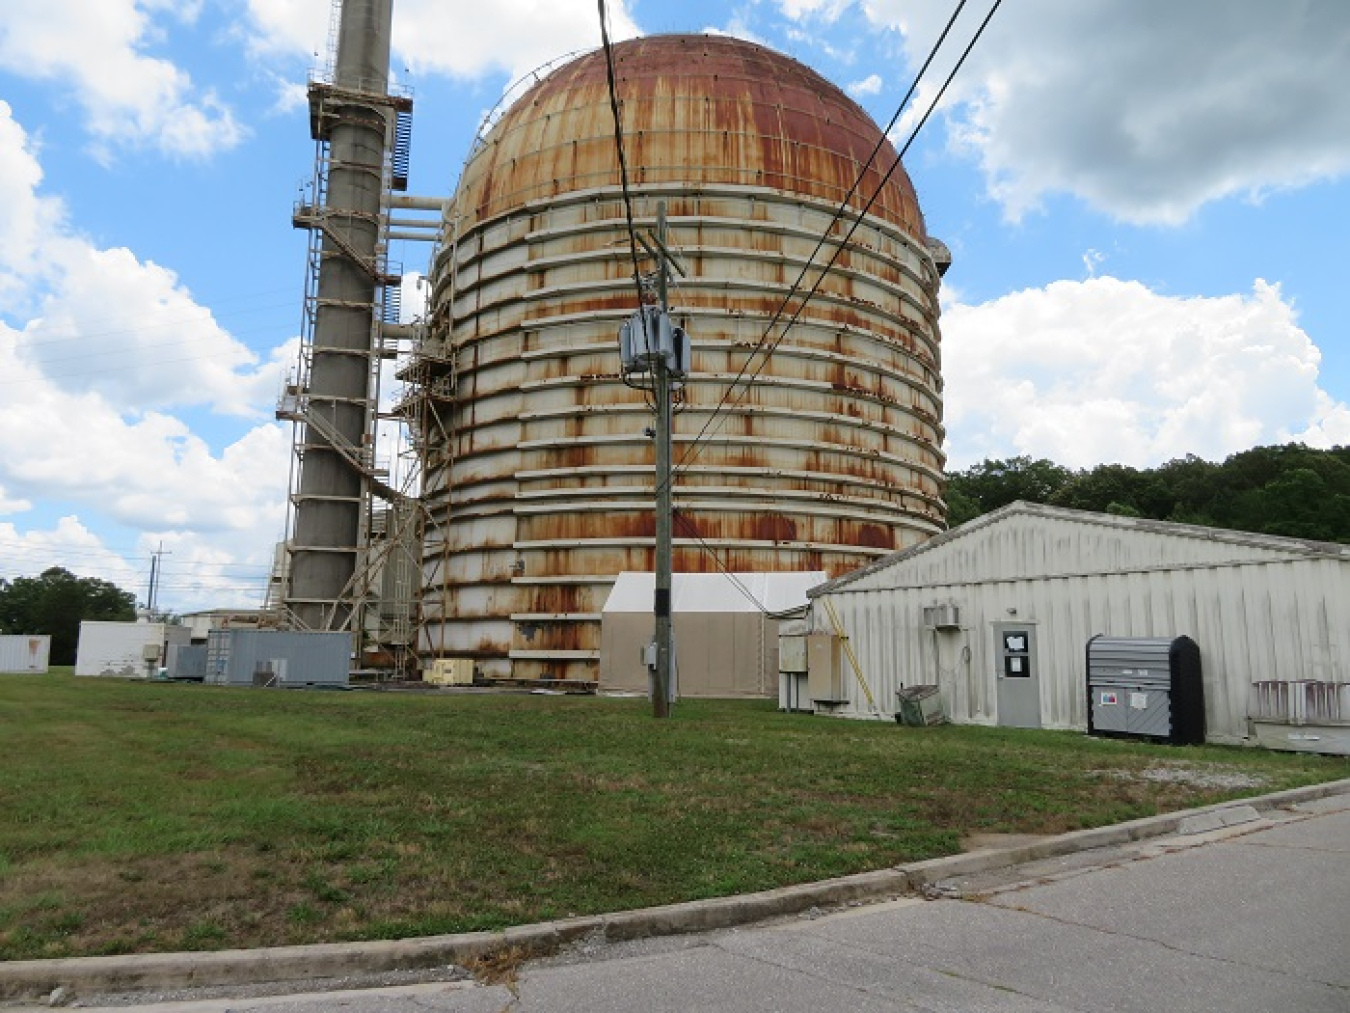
(1145,688)
(919,706)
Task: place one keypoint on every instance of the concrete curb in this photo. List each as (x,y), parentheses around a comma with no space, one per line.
(29,979)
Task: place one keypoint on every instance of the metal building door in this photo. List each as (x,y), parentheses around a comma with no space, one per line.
(1018,676)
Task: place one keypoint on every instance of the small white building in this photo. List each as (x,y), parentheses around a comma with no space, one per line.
(126,650)
(1271,617)
(24,654)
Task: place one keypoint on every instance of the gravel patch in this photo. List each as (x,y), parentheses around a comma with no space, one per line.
(1201,777)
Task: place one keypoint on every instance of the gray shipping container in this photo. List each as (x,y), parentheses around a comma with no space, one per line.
(186,661)
(24,654)
(279,658)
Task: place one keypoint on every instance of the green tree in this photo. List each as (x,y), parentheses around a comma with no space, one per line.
(1117,484)
(992,484)
(1291,490)
(56,602)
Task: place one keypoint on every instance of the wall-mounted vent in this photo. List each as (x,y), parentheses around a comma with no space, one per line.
(942,617)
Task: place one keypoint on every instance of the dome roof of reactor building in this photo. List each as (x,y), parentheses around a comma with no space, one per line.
(697,111)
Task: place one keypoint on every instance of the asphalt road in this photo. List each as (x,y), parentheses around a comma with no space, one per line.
(1254,917)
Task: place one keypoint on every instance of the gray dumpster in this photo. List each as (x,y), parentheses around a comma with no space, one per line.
(1145,688)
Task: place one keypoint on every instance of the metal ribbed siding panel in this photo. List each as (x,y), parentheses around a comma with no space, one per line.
(543,491)
(20,654)
(1256,621)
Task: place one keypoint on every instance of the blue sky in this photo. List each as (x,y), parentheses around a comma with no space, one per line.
(1147,203)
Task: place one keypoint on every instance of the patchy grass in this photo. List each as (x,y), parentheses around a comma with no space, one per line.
(138,817)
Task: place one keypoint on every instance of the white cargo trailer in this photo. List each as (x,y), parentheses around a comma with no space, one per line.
(24,654)
(126,650)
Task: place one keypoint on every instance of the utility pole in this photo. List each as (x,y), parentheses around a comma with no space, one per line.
(655,356)
(664,499)
(156,561)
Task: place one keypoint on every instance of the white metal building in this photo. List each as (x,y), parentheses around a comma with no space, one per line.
(1271,616)
(126,650)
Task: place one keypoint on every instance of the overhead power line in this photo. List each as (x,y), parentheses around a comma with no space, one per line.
(618,145)
(694,448)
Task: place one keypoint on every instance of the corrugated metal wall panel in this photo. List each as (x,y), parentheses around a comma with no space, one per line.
(1253,622)
(24,654)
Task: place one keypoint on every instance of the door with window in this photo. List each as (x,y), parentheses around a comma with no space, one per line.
(1018,676)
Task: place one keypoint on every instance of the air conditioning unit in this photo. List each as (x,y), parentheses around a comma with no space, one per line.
(942,617)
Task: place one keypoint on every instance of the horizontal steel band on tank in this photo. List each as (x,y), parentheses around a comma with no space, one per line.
(835,508)
(813,444)
(658,182)
(712,469)
(737,329)
(902,266)
(781,499)
(914,421)
(902,262)
(920,381)
(521,227)
(718,329)
(762,288)
(781,385)
(761,295)
(594,212)
(688,486)
(598,207)
(784,354)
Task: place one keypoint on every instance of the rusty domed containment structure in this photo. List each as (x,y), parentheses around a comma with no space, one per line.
(537,469)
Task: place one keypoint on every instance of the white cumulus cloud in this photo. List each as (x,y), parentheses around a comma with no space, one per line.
(870,85)
(1105,370)
(130,98)
(1145,109)
(97,349)
(514,36)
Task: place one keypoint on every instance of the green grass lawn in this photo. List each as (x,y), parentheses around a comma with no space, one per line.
(138,817)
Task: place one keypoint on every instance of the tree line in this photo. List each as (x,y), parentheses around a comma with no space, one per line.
(1291,490)
(55,603)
